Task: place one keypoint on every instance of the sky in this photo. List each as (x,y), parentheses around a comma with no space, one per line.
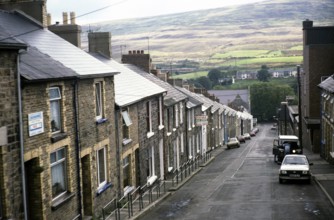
(92,11)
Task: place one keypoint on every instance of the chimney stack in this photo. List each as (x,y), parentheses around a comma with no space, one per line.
(307,24)
(139,59)
(70,32)
(100,42)
(35,9)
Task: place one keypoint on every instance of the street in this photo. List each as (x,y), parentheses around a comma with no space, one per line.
(242,183)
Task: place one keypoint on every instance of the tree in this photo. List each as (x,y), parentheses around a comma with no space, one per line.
(266,98)
(263,74)
(204,82)
(214,75)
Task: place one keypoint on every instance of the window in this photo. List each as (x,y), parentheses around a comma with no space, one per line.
(126,122)
(190,148)
(181,112)
(150,162)
(58,172)
(182,146)
(55,107)
(148,117)
(98,100)
(101,167)
(168,120)
(189,119)
(193,117)
(160,117)
(176,115)
(126,171)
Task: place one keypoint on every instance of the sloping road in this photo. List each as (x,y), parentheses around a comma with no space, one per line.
(242,183)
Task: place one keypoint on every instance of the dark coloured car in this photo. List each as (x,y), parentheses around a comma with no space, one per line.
(241,139)
(252,134)
(255,130)
(295,167)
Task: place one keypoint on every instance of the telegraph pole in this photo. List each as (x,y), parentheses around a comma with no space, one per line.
(300,131)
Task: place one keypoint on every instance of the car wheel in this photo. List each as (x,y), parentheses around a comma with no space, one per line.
(308,181)
(280,181)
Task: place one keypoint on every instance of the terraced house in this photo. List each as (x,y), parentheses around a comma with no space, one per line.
(327,118)
(139,164)
(174,119)
(66,137)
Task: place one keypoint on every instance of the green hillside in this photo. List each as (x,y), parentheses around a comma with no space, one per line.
(243,37)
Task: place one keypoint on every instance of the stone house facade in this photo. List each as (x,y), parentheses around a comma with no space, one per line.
(327,119)
(67,136)
(10,148)
(132,92)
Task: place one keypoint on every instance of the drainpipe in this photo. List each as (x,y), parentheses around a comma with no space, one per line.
(118,157)
(77,142)
(24,190)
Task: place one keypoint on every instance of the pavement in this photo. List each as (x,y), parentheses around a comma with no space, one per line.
(322,173)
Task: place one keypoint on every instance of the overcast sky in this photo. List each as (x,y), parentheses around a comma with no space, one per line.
(122,9)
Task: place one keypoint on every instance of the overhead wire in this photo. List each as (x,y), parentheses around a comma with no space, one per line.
(85,14)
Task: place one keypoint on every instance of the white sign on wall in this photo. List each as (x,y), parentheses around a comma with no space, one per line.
(35,122)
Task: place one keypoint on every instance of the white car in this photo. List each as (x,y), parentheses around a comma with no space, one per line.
(295,167)
(233,142)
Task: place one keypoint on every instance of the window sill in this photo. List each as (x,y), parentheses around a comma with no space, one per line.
(170,169)
(103,188)
(61,200)
(58,137)
(161,127)
(151,180)
(101,121)
(169,133)
(150,134)
(332,154)
(189,129)
(174,129)
(126,141)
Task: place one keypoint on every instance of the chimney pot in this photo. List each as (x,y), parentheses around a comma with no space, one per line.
(48,21)
(65,18)
(142,51)
(72,16)
(134,52)
(130,52)
(138,51)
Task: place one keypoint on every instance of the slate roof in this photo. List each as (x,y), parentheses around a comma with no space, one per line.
(192,102)
(130,87)
(205,105)
(172,97)
(50,47)
(328,84)
(227,96)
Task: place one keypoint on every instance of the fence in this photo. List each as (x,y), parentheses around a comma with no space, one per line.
(139,198)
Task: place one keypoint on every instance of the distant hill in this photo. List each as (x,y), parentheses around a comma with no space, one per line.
(244,36)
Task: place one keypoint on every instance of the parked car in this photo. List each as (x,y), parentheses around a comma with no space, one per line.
(241,139)
(295,167)
(252,134)
(256,130)
(247,136)
(233,142)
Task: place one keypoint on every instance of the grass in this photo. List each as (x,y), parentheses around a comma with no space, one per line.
(193,75)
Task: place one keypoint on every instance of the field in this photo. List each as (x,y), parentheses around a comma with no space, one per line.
(242,37)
